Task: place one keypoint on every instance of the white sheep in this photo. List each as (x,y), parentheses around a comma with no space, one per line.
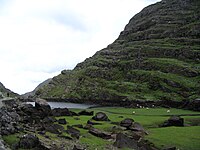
(168,111)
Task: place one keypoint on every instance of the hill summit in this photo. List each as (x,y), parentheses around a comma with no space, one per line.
(156,57)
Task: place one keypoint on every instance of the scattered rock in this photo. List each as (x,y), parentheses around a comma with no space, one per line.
(78,125)
(49,120)
(99,133)
(28,141)
(124,141)
(54,128)
(86,113)
(73,132)
(127,122)
(93,123)
(78,147)
(42,106)
(174,121)
(57,112)
(100,116)
(137,127)
(62,121)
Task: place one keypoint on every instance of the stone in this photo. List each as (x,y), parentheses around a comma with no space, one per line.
(170,148)
(78,147)
(124,141)
(100,116)
(99,133)
(93,123)
(137,127)
(54,128)
(57,112)
(49,120)
(28,141)
(174,121)
(62,121)
(73,132)
(86,113)
(42,106)
(127,122)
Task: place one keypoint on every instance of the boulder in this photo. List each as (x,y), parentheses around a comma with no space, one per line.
(174,121)
(93,123)
(137,127)
(62,121)
(28,141)
(8,122)
(78,147)
(73,132)
(127,122)
(54,128)
(100,116)
(86,113)
(57,112)
(42,106)
(99,133)
(124,141)
(49,120)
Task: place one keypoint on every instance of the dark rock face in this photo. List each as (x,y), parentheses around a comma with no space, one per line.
(8,122)
(174,121)
(137,127)
(100,116)
(43,106)
(54,128)
(62,121)
(28,141)
(73,132)
(123,141)
(127,122)
(99,133)
(61,112)
(86,113)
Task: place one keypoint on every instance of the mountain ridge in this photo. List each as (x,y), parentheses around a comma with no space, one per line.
(156,57)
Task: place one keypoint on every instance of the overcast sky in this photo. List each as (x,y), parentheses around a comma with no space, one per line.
(39,38)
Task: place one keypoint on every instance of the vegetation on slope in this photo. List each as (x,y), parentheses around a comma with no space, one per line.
(156,57)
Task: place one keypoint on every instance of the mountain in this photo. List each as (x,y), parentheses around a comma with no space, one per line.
(4,92)
(32,93)
(156,57)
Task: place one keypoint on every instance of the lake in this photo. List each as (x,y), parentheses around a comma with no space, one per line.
(66,105)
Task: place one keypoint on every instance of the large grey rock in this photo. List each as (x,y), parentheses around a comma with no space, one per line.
(99,133)
(42,106)
(127,122)
(100,116)
(124,141)
(174,121)
(28,141)
(61,112)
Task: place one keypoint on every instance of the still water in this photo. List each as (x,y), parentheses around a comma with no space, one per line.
(66,105)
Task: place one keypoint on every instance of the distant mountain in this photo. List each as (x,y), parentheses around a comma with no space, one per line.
(4,92)
(156,57)
(32,93)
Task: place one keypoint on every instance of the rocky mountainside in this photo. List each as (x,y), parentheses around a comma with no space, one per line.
(4,92)
(156,57)
(32,93)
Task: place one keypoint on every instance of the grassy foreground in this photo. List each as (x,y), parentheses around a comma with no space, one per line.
(184,138)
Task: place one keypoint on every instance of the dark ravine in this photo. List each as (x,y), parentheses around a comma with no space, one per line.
(156,57)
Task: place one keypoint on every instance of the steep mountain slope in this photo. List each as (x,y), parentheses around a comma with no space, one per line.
(32,93)
(156,57)
(4,92)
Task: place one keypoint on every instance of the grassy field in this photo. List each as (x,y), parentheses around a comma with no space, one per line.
(184,138)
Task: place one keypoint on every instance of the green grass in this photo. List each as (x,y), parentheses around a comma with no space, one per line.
(184,138)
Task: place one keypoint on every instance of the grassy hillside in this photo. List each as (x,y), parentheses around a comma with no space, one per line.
(156,57)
